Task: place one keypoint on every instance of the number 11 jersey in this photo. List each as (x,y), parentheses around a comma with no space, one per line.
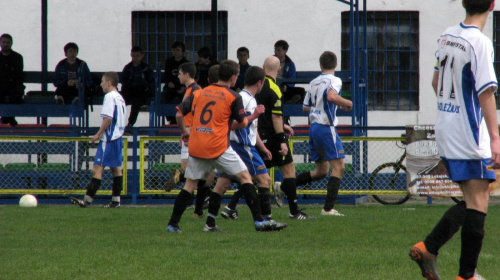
(465,65)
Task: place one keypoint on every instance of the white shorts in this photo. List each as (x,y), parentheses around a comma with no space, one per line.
(184,149)
(229,162)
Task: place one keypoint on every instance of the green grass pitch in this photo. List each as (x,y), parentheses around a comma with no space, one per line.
(370,242)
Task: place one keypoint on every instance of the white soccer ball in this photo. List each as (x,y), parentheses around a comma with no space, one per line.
(28,200)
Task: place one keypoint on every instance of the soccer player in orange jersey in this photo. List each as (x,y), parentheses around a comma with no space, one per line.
(214,108)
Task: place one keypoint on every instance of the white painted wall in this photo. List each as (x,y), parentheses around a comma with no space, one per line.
(102,29)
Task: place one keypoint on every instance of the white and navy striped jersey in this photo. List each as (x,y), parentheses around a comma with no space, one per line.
(465,65)
(113,108)
(246,136)
(322,111)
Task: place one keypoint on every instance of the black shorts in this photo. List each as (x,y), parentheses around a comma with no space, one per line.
(273,144)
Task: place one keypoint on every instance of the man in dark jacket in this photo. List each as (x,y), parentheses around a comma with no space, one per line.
(70,72)
(137,84)
(173,91)
(11,76)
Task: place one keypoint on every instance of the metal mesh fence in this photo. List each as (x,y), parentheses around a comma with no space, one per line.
(363,174)
(160,155)
(51,165)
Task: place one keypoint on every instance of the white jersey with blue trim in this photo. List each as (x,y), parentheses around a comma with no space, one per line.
(322,111)
(113,107)
(248,135)
(465,65)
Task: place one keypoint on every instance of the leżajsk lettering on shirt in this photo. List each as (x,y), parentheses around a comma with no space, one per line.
(113,107)
(322,111)
(248,135)
(465,64)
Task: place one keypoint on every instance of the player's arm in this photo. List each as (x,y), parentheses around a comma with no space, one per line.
(106,122)
(306,105)
(279,129)
(184,108)
(250,118)
(488,106)
(239,125)
(335,98)
(263,149)
(238,114)
(435,79)
(277,123)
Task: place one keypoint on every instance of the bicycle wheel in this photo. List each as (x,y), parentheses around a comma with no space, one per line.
(389,176)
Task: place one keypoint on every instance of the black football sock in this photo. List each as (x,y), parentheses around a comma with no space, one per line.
(116,189)
(265,202)
(213,208)
(180,204)
(252,201)
(472,241)
(304,178)
(290,189)
(182,179)
(444,230)
(235,199)
(92,188)
(332,190)
(117,186)
(202,193)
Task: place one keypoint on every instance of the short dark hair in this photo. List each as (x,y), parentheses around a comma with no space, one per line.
(70,45)
(136,49)
(213,74)
(473,7)
(227,69)
(6,35)
(253,75)
(328,60)
(205,52)
(188,68)
(112,77)
(179,44)
(243,49)
(281,43)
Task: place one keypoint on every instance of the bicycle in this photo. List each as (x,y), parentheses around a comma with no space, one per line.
(391,177)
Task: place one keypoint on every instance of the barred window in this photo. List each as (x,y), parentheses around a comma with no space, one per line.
(155,32)
(393,59)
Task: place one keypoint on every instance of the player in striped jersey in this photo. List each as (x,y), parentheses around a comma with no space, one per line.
(467,136)
(110,149)
(321,101)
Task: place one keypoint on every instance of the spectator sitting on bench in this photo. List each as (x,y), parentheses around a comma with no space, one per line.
(205,61)
(137,84)
(173,91)
(11,76)
(243,54)
(69,73)
(291,94)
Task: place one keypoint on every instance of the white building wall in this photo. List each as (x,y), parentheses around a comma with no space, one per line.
(102,29)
